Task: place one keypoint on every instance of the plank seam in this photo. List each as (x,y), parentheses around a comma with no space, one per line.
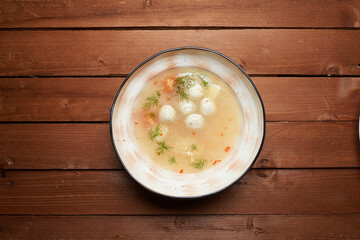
(151,215)
(164,28)
(125,75)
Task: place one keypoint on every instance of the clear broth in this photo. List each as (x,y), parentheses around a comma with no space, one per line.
(213,142)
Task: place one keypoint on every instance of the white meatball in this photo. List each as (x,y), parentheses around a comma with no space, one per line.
(167,113)
(207,106)
(187,106)
(164,131)
(213,90)
(195,91)
(194,121)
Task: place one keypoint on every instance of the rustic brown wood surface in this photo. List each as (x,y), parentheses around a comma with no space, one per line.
(259,51)
(290,191)
(89,99)
(168,13)
(62,62)
(184,227)
(88,146)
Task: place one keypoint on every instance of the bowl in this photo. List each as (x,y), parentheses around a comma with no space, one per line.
(148,174)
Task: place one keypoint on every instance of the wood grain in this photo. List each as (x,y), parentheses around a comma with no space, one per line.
(89,99)
(337,226)
(229,13)
(57,99)
(88,146)
(311,191)
(259,51)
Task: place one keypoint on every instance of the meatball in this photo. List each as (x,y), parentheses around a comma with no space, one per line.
(207,106)
(194,121)
(167,113)
(195,91)
(187,106)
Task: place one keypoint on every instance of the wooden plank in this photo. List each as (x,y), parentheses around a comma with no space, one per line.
(88,146)
(259,51)
(229,13)
(89,99)
(57,99)
(297,99)
(188,227)
(311,191)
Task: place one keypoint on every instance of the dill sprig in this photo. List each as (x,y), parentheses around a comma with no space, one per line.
(204,82)
(182,84)
(199,163)
(153,133)
(162,147)
(172,160)
(151,101)
(193,147)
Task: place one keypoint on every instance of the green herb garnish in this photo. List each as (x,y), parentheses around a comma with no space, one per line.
(199,163)
(153,133)
(172,160)
(162,147)
(204,82)
(182,84)
(151,101)
(152,115)
(193,147)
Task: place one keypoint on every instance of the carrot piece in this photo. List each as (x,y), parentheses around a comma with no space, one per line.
(193,133)
(227,149)
(155,83)
(169,84)
(168,99)
(216,161)
(136,123)
(182,170)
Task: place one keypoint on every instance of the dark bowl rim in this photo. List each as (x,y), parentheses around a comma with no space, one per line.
(172,50)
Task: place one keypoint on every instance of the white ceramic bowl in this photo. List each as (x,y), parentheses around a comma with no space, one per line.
(215,179)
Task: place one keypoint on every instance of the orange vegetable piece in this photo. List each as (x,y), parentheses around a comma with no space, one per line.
(169,84)
(136,123)
(182,170)
(155,83)
(227,149)
(216,161)
(193,133)
(146,118)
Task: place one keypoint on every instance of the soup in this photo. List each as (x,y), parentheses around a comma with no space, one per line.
(187,120)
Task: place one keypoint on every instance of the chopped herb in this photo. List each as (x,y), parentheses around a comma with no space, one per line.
(172,160)
(204,82)
(182,84)
(151,101)
(199,163)
(153,133)
(152,115)
(193,147)
(162,147)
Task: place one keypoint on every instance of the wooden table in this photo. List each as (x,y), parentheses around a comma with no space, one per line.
(61,63)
